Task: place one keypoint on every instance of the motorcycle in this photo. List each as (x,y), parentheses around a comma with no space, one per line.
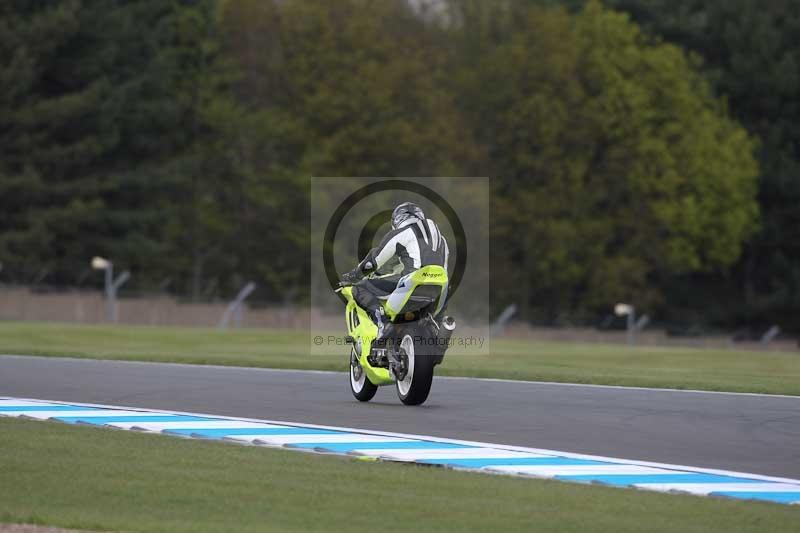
(414,343)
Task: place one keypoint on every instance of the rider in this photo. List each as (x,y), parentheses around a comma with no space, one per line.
(414,242)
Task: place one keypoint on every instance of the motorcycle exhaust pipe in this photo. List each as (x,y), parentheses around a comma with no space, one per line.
(449,323)
(448,326)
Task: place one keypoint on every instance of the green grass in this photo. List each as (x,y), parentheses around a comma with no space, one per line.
(725,370)
(101,479)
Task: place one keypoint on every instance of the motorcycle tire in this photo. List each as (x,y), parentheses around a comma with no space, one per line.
(360,385)
(414,388)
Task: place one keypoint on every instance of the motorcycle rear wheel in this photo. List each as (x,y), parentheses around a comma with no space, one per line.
(415,386)
(360,385)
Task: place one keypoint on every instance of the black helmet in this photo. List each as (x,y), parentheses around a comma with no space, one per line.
(404,212)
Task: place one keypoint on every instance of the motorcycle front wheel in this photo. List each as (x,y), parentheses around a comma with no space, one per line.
(415,386)
(361,387)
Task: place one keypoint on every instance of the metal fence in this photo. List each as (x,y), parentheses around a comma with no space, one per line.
(81,306)
(90,307)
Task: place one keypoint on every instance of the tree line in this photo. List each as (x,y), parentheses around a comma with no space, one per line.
(637,152)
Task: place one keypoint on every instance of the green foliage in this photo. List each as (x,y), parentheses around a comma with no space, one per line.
(178,138)
(751,55)
(88,111)
(347,88)
(363,81)
(616,165)
(44,151)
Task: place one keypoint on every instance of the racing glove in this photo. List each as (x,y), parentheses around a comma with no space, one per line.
(354,276)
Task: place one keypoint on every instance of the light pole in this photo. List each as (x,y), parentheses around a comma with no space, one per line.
(111,285)
(628,310)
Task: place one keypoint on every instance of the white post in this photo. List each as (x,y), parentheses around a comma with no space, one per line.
(632,326)
(770,334)
(109,290)
(499,325)
(234,306)
(111,285)
(628,310)
(117,283)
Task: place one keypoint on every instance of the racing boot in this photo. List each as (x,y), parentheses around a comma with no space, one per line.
(381,320)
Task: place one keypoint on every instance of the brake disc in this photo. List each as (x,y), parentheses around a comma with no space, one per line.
(401,369)
(357,370)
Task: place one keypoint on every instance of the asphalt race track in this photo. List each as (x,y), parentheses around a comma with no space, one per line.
(746,433)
